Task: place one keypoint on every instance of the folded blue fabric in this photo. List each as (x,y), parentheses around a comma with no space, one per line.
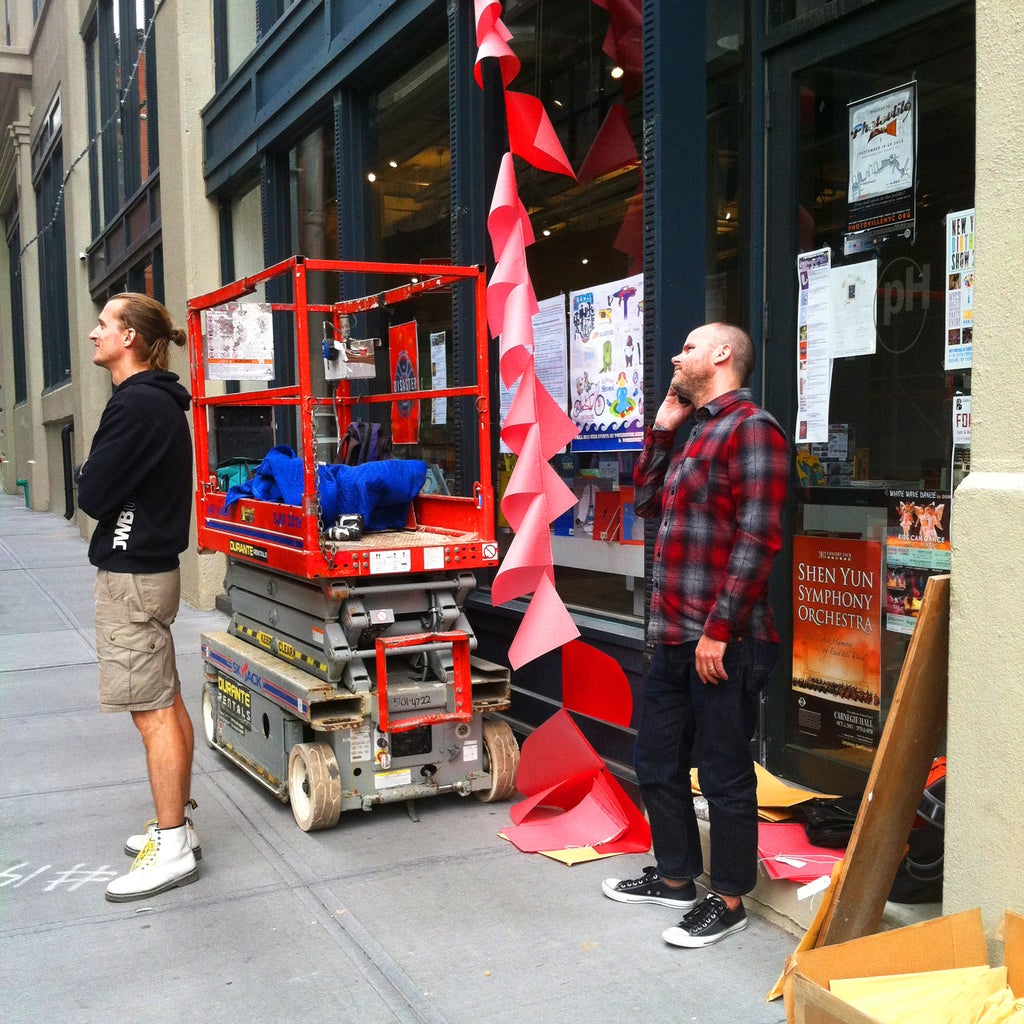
(381,492)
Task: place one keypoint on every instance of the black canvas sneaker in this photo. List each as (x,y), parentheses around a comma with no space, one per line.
(650,888)
(708,923)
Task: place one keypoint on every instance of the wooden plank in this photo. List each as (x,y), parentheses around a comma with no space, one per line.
(909,743)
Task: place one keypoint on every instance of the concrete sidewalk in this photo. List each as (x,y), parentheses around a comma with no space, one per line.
(381,919)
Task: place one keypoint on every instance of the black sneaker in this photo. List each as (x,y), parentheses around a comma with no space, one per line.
(649,888)
(708,923)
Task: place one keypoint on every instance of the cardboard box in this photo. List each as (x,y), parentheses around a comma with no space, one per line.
(957,940)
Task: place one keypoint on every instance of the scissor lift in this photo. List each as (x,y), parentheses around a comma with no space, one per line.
(346,677)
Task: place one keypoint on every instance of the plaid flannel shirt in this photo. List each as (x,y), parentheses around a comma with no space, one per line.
(721,498)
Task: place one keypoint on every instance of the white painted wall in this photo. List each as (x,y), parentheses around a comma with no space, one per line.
(985,786)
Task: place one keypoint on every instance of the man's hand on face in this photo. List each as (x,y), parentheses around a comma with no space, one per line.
(672,411)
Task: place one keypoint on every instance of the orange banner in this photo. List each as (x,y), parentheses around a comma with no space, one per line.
(405,416)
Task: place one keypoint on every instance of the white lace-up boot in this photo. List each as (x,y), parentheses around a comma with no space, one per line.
(134,844)
(165,861)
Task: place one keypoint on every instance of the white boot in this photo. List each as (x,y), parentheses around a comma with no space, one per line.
(164,862)
(133,844)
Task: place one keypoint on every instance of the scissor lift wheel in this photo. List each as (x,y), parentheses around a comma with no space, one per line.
(209,718)
(501,759)
(314,786)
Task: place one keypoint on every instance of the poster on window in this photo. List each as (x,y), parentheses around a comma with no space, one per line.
(883,150)
(240,342)
(916,547)
(605,365)
(837,640)
(405,415)
(813,348)
(550,358)
(959,289)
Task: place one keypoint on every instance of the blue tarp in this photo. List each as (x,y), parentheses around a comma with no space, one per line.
(381,492)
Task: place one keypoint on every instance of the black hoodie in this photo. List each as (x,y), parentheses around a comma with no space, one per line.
(137,481)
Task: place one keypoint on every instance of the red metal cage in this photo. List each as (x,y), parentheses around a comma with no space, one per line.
(444,532)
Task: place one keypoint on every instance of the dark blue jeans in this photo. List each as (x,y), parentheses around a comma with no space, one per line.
(685,723)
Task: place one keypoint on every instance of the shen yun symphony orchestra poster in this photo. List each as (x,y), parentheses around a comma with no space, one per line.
(838,597)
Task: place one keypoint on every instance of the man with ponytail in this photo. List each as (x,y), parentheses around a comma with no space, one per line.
(137,484)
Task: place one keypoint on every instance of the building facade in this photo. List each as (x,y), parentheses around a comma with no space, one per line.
(812,171)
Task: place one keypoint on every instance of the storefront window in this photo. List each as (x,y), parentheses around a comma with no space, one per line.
(407,169)
(873,512)
(408,185)
(584,62)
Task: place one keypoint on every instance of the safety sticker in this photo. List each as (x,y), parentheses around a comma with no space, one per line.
(235,704)
(362,749)
(433,558)
(490,551)
(398,777)
(470,751)
(391,561)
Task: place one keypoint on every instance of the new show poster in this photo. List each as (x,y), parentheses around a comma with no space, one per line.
(883,148)
(605,366)
(916,547)
(405,416)
(838,596)
(959,289)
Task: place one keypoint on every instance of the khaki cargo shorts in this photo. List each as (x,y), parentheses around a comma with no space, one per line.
(134,612)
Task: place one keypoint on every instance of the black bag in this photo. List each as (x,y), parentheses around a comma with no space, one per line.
(919,876)
(363,442)
(829,821)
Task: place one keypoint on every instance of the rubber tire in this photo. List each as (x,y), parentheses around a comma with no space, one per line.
(314,786)
(209,718)
(501,759)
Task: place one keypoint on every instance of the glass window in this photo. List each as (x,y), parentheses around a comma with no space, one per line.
(120,49)
(17,308)
(408,163)
(53,274)
(586,67)
(883,481)
(235,34)
(408,185)
(247,232)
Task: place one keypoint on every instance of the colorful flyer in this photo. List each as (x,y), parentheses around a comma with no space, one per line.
(916,547)
(814,362)
(959,289)
(838,596)
(606,371)
(405,415)
(882,183)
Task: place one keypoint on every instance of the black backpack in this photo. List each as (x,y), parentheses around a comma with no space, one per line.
(363,442)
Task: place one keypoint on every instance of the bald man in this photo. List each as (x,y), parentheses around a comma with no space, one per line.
(720,497)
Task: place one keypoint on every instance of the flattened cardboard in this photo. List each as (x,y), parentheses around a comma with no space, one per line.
(957,940)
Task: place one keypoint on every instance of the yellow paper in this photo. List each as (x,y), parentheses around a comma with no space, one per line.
(928,997)
(772,792)
(579,855)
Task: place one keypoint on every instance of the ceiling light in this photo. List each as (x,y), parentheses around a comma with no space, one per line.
(547,232)
(371,177)
(617,72)
(392,163)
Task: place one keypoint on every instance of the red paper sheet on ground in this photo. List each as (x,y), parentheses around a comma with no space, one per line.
(572,798)
(802,862)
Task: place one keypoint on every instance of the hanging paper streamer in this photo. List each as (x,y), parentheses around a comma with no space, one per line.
(535,427)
